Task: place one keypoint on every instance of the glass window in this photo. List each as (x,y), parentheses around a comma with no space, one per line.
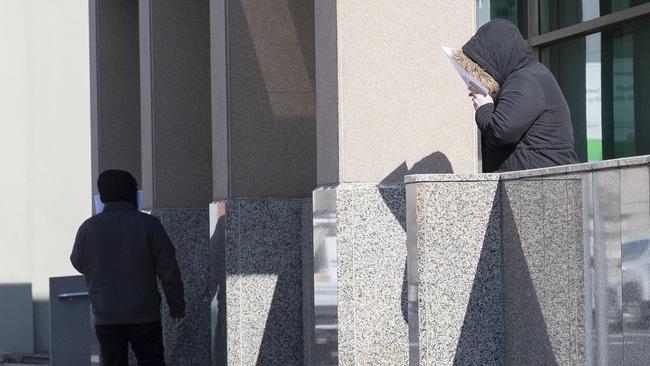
(514,10)
(556,14)
(605,78)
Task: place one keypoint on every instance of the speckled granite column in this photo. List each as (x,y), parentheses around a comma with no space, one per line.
(261,243)
(360,275)
(495,270)
(455,271)
(543,272)
(188,229)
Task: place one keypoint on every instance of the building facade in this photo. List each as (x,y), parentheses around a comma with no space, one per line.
(272,138)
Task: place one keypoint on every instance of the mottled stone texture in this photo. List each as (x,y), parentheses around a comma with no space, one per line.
(372,287)
(499,272)
(543,267)
(459,273)
(261,242)
(188,229)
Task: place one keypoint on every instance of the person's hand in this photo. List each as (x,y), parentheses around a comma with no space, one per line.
(480,100)
(179,322)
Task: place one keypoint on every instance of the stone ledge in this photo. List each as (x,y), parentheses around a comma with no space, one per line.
(541,173)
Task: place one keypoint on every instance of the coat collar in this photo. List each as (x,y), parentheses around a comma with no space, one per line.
(118,205)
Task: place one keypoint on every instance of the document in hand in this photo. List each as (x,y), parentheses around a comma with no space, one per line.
(474,85)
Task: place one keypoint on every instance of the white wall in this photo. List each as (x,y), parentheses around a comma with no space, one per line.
(45,181)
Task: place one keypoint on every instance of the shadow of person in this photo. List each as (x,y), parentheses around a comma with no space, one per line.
(435,163)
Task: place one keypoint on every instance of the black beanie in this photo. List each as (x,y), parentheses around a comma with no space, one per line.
(117,185)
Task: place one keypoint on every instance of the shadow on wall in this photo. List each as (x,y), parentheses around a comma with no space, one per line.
(271,97)
(481,336)
(503,328)
(435,163)
(256,259)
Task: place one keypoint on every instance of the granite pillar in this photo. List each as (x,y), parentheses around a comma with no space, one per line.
(543,265)
(496,270)
(455,271)
(114,87)
(264,170)
(382,112)
(177,154)
(188,230)
(175,103)
(257,250)
(359,274)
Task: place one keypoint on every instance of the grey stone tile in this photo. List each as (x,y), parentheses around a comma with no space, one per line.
(188,230)
(542,266)
(371,253)
(635,160)
(460,273)
(263,240)
(421,178)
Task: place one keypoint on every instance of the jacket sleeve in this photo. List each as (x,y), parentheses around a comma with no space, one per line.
(164,256)
(516,109)
(75,257)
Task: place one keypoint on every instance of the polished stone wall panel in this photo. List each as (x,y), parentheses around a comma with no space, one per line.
(263,241)
(459,274)
(543,269)
(188,230)
(371,254)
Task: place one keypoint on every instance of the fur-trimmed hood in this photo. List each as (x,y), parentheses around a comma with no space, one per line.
(477,72)
(499,48)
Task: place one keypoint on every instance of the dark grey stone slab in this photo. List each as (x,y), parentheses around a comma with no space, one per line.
(189,231)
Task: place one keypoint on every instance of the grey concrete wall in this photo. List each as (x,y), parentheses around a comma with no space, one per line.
(175,103)
(387,95)
(115,87)
(269,118)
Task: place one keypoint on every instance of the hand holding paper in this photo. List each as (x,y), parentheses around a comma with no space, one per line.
(473,85)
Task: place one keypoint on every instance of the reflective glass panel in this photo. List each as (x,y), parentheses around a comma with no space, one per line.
(514,10)
(605,78)
(556,14)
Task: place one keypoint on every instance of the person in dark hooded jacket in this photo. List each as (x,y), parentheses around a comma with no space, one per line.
(528,124)
(122,253)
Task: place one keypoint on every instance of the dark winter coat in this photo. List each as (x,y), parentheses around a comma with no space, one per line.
(122,252)
(529,124)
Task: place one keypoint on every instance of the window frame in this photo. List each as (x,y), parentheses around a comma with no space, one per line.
(536,41)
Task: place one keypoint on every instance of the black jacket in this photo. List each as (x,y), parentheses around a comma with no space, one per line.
(529,125)
(121,252)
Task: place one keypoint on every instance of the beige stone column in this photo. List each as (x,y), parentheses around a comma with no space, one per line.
(389,103)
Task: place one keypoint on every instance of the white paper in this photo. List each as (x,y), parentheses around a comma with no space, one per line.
(469,80)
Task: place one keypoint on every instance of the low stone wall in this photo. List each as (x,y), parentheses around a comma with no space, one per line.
(535,267)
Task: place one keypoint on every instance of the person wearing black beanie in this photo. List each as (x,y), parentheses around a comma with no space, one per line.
(123,253)
(117,185)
